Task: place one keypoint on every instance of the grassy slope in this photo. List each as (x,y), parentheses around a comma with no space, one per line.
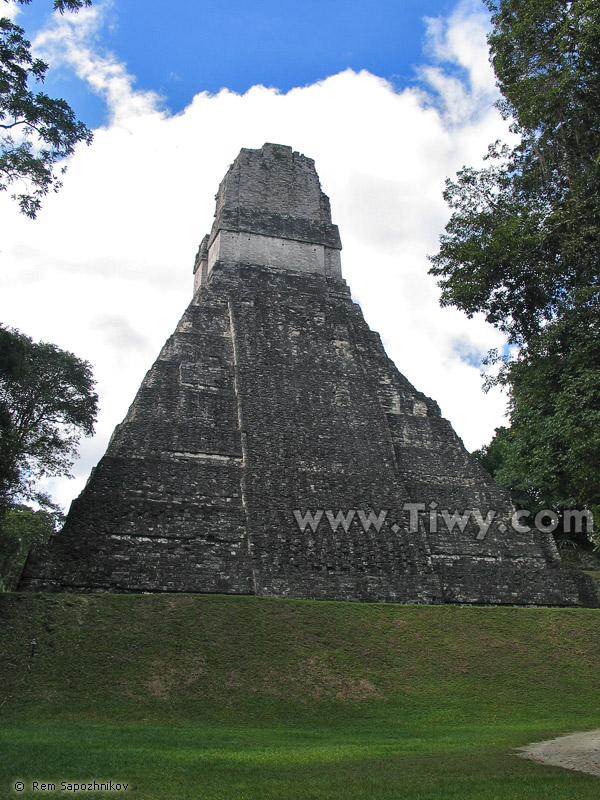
(236,697)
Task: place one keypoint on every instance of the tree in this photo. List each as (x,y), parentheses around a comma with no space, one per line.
(38,131)
(550,456)
(22,528)
(523,247)
(12,359)
(46,402)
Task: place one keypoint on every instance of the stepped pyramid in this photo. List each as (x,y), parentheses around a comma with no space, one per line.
(274,449)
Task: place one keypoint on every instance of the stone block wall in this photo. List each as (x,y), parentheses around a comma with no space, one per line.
(274,397)
(273,448)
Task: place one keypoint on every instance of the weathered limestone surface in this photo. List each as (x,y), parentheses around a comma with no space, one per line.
(271,211)
(273,397)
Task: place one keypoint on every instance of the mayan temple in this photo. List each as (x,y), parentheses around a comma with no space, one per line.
(274,449)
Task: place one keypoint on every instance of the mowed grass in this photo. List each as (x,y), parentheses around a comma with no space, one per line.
(199,696)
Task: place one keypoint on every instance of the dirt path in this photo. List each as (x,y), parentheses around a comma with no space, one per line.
(578,751)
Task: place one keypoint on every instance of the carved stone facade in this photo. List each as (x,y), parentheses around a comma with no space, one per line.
(273,400)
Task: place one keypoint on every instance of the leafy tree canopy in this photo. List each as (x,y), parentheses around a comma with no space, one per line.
(22,528)
(523,246)
(46,402)
(522,243)
(550,456)
(37,131)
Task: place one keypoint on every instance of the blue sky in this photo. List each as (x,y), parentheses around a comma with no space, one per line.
(178,48)
(388,98)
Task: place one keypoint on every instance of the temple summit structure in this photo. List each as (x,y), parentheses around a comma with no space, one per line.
(274,449)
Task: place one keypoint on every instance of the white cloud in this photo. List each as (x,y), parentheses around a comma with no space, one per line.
(105,271)
(72,40)
(459,41)
(10,10)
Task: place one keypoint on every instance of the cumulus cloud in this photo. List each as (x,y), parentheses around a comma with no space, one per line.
(105,271)
(459,71)
(72,40)
(10,10)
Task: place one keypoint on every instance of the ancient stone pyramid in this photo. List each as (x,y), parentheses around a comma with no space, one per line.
(274,449)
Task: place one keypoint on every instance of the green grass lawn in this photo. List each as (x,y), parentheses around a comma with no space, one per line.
(199,696)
